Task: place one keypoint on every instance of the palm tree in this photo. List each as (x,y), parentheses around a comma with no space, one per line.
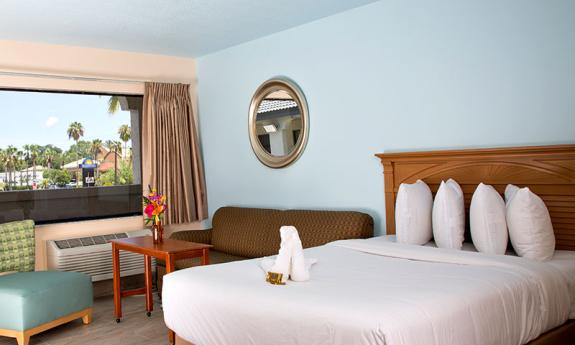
(125,133)
(3,165)
(76,131)
(116,148)
(34,152)
(10,161)
(31,155)
(27,148)
(2,161)
(96,147)
(113,104)
(20,164)
(3,168)
(49,155)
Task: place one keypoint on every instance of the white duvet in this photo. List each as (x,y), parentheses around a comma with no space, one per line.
(371,292)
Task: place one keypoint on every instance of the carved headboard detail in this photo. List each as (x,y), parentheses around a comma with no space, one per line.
(549,171)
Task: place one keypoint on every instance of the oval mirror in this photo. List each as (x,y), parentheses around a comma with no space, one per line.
(278,122)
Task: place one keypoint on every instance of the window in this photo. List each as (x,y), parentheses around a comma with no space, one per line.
(69,156)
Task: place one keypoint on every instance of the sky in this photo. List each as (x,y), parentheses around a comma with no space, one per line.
(43,118)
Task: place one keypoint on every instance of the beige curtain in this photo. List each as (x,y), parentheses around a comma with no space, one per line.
(171,159)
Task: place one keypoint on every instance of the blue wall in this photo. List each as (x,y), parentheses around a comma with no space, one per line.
(393,75)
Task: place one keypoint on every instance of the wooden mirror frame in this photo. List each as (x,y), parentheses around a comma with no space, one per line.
(269,86)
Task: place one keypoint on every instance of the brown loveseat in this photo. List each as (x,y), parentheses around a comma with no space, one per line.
(240,233)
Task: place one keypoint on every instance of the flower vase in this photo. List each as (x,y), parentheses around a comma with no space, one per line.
(158,232)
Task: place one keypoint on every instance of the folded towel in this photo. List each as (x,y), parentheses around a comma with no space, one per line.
(299,271)
(282,262)
(290,260)
(267,263)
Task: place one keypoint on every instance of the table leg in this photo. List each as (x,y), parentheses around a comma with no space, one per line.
(117,286)
(205,256)
(148,277)
(170,264)
(171,336)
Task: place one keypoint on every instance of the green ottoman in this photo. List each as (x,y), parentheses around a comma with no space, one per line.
(33,302)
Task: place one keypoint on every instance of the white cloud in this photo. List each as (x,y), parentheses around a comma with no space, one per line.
(51,121)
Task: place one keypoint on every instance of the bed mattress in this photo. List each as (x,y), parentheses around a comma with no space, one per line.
(373,292)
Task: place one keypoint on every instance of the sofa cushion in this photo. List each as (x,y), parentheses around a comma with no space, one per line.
(30,299)
(246,232)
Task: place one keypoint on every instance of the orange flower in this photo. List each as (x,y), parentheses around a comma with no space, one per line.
(158,210)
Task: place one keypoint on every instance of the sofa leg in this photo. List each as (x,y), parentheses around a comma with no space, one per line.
(87,319)
(23,338)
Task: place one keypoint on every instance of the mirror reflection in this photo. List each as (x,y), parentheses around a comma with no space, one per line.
(278,123)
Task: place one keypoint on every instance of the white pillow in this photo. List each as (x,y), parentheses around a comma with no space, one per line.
(510,191)
(413,213)
(530,228)
(487,220)
(449,216)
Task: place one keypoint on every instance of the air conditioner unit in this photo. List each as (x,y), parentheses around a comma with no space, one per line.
(93,256)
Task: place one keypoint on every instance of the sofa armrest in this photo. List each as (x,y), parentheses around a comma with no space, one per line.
(198,236)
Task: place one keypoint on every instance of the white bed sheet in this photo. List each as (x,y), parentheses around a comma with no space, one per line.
(562,260)
(371,292)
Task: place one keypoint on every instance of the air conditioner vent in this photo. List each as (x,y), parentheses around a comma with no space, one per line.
(93,256)
(88,241)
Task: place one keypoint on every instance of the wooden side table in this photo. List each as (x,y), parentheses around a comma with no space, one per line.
(169,251)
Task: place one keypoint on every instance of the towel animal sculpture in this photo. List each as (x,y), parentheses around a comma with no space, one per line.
(290,261)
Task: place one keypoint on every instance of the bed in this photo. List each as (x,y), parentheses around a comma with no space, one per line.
(378,292)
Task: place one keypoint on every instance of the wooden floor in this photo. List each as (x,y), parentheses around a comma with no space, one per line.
(135,329)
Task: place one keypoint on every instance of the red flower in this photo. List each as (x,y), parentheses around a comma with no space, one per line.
(149,210)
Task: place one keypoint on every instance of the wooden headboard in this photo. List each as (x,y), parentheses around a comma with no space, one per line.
(549,171)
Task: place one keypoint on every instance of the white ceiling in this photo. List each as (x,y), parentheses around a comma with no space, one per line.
(172,27)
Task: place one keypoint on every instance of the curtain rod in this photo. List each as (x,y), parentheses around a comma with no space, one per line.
(68,77)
